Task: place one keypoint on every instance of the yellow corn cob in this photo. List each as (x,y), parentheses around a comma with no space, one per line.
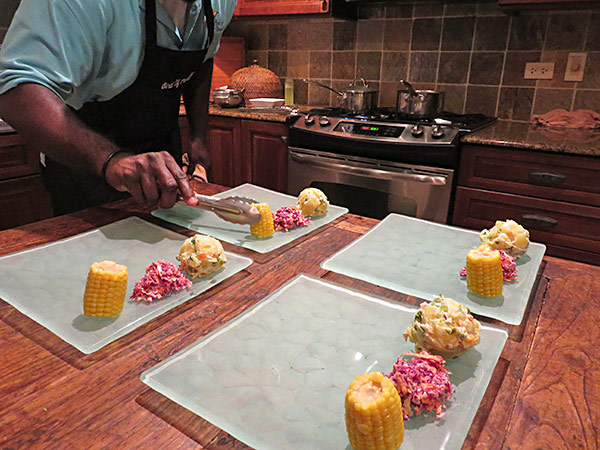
(374,417)
(484,272)
(105,289)
(264,227)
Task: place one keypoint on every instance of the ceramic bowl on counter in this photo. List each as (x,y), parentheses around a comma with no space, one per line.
(267,102)
(228,98)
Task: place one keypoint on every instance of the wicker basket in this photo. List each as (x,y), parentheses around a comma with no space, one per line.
(257,81)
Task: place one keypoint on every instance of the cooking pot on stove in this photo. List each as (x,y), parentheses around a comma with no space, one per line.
(355,98)
(419,102)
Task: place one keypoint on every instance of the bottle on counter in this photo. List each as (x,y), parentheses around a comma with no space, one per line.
(289,91)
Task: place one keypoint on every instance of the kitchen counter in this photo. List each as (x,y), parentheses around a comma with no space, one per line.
(248,113)
(542,394)
(530,137)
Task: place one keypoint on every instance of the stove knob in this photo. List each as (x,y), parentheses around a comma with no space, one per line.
(309,120)
(437,132)
(417,130)
(324,121)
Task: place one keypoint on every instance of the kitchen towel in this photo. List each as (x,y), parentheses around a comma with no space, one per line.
(561,118)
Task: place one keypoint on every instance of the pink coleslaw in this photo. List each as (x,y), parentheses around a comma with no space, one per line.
(161,279)
(288,217)
(509,267)
(422,383)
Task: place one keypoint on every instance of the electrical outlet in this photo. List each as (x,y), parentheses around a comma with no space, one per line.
(539,71)
(575,66)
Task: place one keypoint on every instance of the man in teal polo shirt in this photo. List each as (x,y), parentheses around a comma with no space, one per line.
(95,86)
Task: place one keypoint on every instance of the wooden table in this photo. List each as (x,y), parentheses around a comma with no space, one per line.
(544,392)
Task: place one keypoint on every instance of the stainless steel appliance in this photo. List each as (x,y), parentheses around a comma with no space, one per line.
(381,163)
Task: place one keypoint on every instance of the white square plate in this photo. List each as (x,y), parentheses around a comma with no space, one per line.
(206,222)
(422,258)
(47,283)
(275,377)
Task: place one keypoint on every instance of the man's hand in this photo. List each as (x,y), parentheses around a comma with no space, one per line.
(151,179)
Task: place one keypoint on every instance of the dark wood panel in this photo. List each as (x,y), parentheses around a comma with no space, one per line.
(15,160)
(225,144)
(23,200)
(271,7)
(550,222)
(266,151)
(566,178)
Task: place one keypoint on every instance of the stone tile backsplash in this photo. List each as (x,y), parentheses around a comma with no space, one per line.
(473,51)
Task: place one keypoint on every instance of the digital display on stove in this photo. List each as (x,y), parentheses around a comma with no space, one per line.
(369,130)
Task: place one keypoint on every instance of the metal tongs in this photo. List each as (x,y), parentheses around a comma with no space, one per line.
(232,209)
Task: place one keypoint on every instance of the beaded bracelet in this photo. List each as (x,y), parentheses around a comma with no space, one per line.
(108,159)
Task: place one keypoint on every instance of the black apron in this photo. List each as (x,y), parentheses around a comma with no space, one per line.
(142,118)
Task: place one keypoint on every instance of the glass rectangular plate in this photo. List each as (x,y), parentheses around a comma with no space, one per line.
(47,283)
(206,222)
(424,259)
(276,376)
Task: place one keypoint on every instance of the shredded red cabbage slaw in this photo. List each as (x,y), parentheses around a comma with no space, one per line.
(161,279)
(422,383)
(288,217)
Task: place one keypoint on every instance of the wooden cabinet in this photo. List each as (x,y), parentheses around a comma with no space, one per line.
(556,197)
(23,198)
(337,8)
(264,151)
(245,151)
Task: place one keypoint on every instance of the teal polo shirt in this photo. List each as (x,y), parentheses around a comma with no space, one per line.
(91,50)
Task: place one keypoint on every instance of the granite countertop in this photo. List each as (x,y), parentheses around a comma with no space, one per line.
(502,133)
(530,137)
(265,114)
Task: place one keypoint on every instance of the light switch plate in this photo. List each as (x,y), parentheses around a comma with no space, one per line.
(539,71)
(575,66)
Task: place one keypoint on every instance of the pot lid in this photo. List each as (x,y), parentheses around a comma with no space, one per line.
(355,88)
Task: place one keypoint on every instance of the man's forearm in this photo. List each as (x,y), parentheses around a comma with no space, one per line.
(49,126)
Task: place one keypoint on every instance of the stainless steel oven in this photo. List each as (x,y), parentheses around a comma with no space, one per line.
(381,163)
(371,187)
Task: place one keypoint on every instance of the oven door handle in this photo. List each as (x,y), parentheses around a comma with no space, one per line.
(437,180)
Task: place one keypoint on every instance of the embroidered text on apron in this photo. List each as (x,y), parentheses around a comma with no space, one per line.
(142,118)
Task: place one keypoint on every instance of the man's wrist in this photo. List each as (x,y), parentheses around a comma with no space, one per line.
(109,158)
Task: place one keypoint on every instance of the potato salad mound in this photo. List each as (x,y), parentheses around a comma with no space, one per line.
(312,202)
(443,327)
(201,255)
(508,236)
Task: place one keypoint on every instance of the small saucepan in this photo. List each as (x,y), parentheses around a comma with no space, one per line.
(228,98)
(419,102)
(355,98)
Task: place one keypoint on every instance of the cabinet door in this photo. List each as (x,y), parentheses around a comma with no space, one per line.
(15,160)
(265,153)
(271,7)
(23,200)
(225,146)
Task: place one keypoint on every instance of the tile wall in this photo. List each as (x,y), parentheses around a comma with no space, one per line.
(474,52)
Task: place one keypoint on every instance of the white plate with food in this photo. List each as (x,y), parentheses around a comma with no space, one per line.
(275,377)
(206,222)
(424,259)
(48,283)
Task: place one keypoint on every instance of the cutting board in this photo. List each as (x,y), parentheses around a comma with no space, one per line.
(230,57)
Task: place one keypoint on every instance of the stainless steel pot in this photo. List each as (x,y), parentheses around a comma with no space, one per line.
(419,102)
(355,98)
(228,98)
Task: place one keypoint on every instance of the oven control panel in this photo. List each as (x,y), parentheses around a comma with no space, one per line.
(362,129)
(391,132)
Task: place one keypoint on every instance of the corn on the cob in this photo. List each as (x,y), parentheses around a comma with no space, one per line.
(264,227)
(105,289)
(484,272)
(374,416)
